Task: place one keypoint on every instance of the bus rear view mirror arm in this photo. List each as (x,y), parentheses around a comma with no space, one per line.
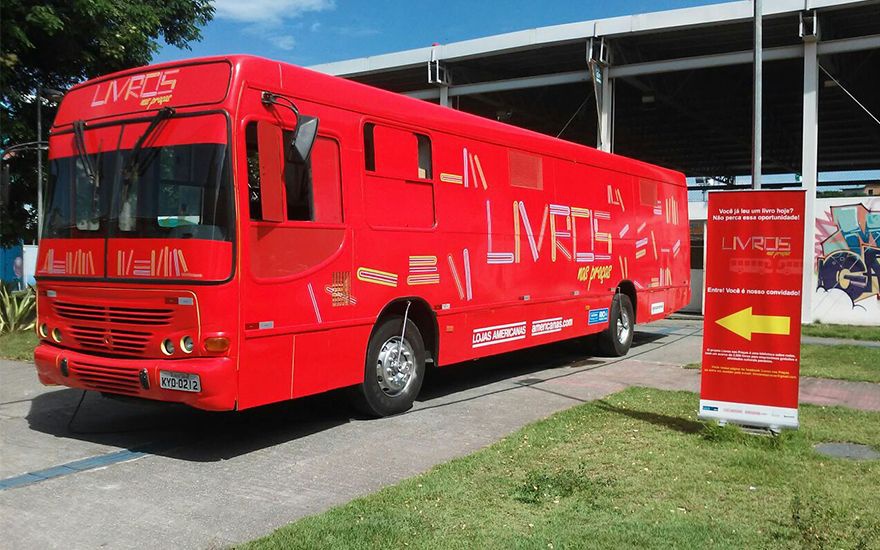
(303,134)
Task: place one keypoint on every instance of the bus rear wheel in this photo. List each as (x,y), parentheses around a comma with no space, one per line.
(394,369)
(616,340)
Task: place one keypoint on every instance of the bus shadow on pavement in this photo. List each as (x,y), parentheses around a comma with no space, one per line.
(184,433)
(577,353)
(641,338)
(471,375)
(181,432)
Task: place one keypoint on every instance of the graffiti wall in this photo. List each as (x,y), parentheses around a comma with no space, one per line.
(846,273)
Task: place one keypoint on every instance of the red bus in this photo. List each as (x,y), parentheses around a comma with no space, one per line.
(234,231)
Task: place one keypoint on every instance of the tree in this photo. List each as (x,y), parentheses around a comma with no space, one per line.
(55,44)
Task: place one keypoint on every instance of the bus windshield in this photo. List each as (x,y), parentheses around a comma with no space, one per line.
(160,190)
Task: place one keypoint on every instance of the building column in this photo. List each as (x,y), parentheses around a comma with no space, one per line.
(810,172)
(438,75)
(598,62)
(444,96)
(606,113)
(757,94)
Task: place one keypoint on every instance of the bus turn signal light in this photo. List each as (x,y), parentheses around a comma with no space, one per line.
(216,344)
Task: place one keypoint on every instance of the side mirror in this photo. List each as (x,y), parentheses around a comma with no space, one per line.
(303,138)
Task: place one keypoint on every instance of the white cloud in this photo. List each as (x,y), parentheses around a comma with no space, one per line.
(354,32)
(282,42)
(270,20)
(268,12)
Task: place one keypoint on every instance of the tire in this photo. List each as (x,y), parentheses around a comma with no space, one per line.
(388,389)
(616,340)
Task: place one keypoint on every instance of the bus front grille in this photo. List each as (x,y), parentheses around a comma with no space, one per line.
(113,314)
(117,341)
(105,378)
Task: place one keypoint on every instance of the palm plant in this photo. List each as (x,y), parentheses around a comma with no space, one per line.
(18,310)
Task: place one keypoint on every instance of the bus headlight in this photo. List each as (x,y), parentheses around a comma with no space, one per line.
(167,346)
(56,335)
(187,344)
(44,330)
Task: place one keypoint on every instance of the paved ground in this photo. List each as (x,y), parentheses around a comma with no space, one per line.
(839,342)
(126,473)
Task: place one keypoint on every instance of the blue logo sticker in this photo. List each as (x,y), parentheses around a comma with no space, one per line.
(709,408)
(598,316)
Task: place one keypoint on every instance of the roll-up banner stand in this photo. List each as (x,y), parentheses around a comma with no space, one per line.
(752,321)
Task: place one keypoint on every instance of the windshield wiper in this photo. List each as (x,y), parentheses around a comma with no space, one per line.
(79,141)
(135,164)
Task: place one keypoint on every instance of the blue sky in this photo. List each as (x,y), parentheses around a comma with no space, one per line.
(307,32)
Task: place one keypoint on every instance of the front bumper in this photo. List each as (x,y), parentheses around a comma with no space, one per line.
(140,377)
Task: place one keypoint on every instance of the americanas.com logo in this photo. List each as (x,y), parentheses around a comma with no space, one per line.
(549,326)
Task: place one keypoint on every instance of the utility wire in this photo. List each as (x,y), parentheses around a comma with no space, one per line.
(859,103)
(586,99)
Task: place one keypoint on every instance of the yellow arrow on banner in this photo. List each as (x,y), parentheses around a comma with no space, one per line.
(743,323)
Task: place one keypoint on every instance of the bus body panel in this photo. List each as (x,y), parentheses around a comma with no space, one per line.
(506,237)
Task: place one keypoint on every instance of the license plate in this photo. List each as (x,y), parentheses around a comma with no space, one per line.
(180,381)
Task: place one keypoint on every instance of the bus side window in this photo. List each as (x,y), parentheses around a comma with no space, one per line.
(253,172)
(298,184)
(425,171)
(394,153)
(327,182)
(369,147)
(314,188)
(398,166)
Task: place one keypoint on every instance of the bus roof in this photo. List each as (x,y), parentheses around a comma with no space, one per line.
(207,81)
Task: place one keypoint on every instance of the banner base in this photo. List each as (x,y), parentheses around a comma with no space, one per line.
(747,414)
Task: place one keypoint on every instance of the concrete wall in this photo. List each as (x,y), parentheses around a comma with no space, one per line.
(846,275)
(696,303)
(697,211)
(30,264)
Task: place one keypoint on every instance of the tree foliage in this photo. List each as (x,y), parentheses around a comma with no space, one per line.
(57,43)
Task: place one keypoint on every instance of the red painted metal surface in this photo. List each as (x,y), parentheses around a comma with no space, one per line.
(504,237)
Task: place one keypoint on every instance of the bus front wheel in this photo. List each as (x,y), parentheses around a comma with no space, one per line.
(394,370)
(617,338)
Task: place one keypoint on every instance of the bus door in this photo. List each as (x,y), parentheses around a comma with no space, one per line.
(294,250)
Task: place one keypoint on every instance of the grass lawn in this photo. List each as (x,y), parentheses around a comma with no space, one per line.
(841,362)
(842,331)
(632,471)
(855,363)
(18,345)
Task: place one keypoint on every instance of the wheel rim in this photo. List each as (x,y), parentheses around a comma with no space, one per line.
(395,367)
(623,327)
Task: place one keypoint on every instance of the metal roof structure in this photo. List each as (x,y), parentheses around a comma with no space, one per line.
(676,86)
